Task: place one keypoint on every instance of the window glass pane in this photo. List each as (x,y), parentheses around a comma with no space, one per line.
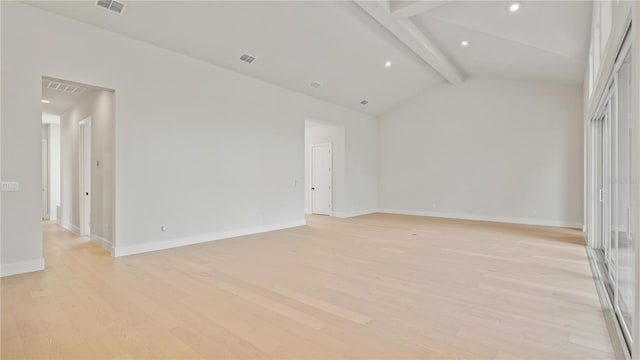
(625,246)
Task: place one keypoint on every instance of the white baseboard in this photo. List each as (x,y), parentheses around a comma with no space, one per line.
(307,211)
(348,214)
(510,220)
(21,267)
(172,243)
(74,229)
(102,242)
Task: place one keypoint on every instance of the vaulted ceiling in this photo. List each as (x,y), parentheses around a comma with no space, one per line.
(343,45)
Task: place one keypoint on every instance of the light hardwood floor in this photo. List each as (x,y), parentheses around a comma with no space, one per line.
(377,286)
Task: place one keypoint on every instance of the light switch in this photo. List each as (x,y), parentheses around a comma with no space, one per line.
(10,186)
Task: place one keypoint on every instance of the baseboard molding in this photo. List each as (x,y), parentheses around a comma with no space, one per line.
(191,240)
(348,214)
(510,220)
(21,267)
(74,229)
(307,211)
(102,242)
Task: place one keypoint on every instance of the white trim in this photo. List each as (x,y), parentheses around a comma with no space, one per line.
(510,220)
(307,211)
(172,243)
(102,242)
(21,267)
(84,167)
(68,226)
(348,214)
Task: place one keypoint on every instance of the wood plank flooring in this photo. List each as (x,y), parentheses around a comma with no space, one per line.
(373,287)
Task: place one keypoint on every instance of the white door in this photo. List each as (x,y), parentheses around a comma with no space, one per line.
(45,179)
(85,176)
(321,179)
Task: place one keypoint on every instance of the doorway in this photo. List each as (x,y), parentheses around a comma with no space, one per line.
(82,142)
(324,158)
(84,156)
(321,179)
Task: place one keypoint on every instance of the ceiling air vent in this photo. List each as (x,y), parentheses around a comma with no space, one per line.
(247,58)
(112,5)
(61,86)
(364,102)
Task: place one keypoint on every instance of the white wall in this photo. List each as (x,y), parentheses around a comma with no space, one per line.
(47,183)
(202,150)
(99,106)
(51,133)
(485,149)
(54,170)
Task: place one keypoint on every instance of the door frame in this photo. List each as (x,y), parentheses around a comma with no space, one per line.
(330,175)
(45,179)
(84,176)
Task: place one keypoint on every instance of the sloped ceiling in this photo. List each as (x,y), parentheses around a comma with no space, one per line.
(343,47)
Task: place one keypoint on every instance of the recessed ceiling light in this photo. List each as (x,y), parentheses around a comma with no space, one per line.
(45,101)
(464,43)
(387,64)
(514,7)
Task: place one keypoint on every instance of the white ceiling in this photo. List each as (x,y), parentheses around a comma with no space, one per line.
(50,119)
(59,100)
(543,41)
(342,47)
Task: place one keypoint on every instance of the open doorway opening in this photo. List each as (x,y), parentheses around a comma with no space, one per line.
(80,162)
(324,165)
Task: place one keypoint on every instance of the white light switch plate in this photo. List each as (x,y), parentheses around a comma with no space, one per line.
(10,186)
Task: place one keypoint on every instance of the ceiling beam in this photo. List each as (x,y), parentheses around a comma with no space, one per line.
(413,38)
(407,9)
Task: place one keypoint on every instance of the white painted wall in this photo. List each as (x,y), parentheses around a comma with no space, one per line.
(99,106)
(485,149)
(46,183)
(322,133)
(51,133)
(54,170)
(202,150)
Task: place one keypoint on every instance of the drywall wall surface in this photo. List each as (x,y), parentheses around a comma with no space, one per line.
(485,149)
(199,149)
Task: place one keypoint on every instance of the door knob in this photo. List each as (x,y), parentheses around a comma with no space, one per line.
(313,188)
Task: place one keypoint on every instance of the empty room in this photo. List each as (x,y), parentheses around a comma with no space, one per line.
(355,179)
